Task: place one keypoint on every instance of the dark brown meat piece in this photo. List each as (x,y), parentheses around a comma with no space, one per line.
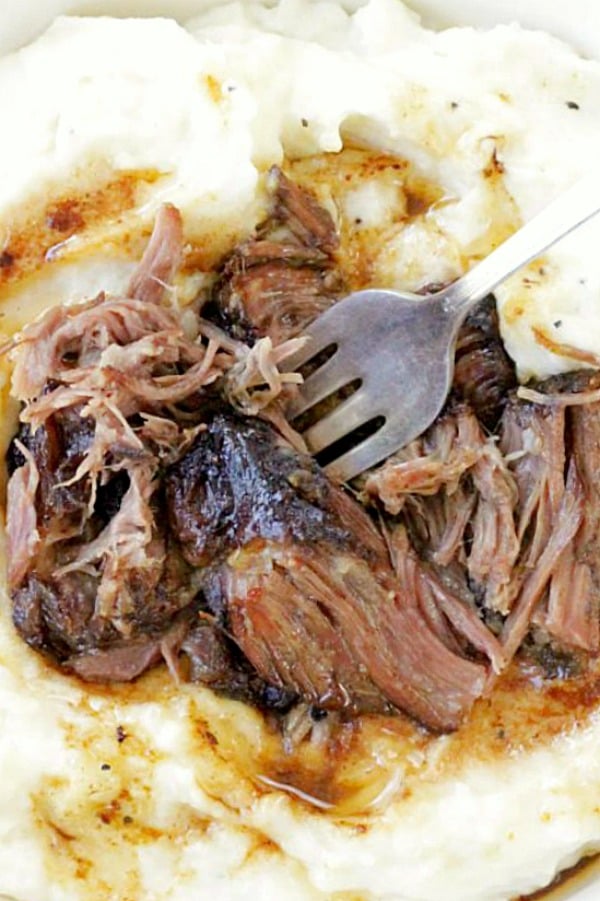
(215,661)
(279,282)
(57,615)
(238,483)
(305,580)
(484,374)
(299,210)
(58,448)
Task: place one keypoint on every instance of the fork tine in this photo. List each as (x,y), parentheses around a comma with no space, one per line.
(348,416)
(320,335)
(327,379)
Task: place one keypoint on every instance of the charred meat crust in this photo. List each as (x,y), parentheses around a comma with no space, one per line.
(239,483)
(484,374)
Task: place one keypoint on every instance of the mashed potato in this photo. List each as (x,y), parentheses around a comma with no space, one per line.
(153,791)
(207,108)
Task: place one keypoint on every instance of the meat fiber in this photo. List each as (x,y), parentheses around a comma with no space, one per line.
(438,459)
(161,259)
(21,524)
(558,421)
(454,477)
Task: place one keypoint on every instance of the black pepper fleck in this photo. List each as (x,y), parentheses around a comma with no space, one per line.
(454,105)
(127,820)
(572,105)
(105,766)
(304,123)
(358,220)
(558,323)
(121,734)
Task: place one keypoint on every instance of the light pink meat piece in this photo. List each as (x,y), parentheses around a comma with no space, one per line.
(379,645)
(533,439)
(125,662)
(495,545)
(21,521)
(568,521)
(161,259)
(87,329)
(444,607)
(572,615)
(437,460)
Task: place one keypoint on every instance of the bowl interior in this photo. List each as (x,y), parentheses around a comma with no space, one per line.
(577,22)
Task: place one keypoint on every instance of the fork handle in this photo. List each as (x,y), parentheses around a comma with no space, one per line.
(560,217)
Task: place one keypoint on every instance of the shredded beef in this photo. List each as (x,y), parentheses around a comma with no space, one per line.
(161,508)
(161,259)
(114,390)
(278,282)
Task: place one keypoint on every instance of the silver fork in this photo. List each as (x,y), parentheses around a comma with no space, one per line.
(401,346)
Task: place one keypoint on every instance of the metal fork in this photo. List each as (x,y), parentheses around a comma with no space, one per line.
(401,346)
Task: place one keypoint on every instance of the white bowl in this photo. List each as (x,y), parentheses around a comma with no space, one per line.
(577,22)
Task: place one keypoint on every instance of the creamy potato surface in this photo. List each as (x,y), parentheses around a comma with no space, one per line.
(451,140)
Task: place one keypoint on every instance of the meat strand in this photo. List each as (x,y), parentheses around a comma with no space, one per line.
(570,516)
(161,259)
(21,524)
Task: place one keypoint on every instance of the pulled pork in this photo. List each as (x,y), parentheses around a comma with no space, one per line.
(161,507)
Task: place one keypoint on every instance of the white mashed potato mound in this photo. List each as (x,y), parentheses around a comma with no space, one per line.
(211,104)
(113,795)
